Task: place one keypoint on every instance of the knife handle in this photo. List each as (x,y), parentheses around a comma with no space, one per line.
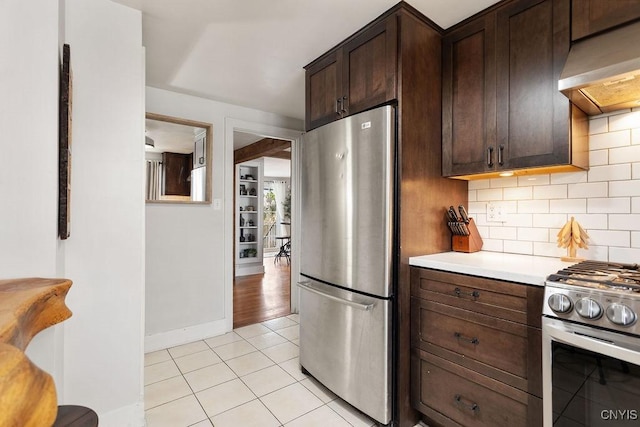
(463,214)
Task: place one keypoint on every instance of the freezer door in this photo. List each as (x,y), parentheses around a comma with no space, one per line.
(345,343)
(347,202)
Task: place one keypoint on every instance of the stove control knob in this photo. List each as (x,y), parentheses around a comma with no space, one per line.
(588,308)
(621,314)
(560,303)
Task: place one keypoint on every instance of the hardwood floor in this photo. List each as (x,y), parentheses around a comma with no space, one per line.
(261,297)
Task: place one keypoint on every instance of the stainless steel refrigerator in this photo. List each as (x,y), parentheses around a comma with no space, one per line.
(346,259)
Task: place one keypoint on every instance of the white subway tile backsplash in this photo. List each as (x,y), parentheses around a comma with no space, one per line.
(609,238)
(533,234)
(492,245)
(548,249)
(532,180)
(503,233)
(628,255)
(533,206)
(479,184)
(597,253)
(570,206)
(609,205)
(550,192)
(517,193)
(489,194)
(624,222)
(480,218)
(519,220)
(477,208)
(599,125)
(569,177)
(624,121)
(624,154)
(624,188)
(593,221)
(610,140)
(553,221)
(511,181)
(605,200)
(598,157)
(518,247)
(610,173)
(590,189)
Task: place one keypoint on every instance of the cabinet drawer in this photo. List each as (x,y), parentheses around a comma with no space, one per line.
(504,300)
(498,343)
(451,395)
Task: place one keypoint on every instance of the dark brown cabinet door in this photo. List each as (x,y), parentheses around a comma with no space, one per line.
(593,16)
(369,67)
(468,98)
(356,76)
(323,88)
(533,117)
(177,174)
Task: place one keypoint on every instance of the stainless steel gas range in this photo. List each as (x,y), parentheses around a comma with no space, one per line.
(591,345)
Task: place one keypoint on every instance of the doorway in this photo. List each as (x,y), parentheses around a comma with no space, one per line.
(268,294)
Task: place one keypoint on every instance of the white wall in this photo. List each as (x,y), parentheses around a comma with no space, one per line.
(96,355)
(105,253)
(29,162)
(605,200)
(187,260)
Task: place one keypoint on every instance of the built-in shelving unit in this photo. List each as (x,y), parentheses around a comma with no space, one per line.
(248,218)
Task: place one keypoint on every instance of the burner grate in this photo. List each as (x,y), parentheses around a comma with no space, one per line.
(601,275)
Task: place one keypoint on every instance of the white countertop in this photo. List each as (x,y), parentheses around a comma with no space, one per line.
(529,269)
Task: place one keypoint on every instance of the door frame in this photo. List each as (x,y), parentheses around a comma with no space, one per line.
(266,131)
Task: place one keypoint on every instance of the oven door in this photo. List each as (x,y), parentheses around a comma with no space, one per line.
(591,377)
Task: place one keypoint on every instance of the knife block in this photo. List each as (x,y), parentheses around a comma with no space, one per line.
(470,243)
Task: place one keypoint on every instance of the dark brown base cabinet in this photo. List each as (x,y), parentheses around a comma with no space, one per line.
(475,350)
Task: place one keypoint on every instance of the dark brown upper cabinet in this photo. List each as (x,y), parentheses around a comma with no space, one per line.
(593,16)
(468,97)
(502,110)
(353,77)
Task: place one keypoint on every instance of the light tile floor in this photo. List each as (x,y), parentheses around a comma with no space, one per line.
(248,377)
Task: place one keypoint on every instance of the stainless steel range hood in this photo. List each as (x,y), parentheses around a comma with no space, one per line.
(602,73)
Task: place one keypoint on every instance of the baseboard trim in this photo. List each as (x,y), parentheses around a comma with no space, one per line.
(184,335)
(246,270)
(126,416)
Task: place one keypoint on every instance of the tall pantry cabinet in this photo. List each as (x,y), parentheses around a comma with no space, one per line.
(396,60)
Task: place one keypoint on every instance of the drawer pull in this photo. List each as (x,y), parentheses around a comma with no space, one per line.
(474,340)
(459,293)
(470,406)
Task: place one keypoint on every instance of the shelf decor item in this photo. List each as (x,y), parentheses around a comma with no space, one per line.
(64,145)
(572,236)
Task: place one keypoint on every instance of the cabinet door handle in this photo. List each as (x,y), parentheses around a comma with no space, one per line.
(474,340)
(470,406)
(344,110)
(338,108)
(473,294)
(490,157)
(500,155)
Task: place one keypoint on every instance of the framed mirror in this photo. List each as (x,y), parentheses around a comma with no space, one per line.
(178,160)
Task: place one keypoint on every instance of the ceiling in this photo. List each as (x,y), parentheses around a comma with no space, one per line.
(252,52)
(171,137)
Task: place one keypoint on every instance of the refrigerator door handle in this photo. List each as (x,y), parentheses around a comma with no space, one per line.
(359,306)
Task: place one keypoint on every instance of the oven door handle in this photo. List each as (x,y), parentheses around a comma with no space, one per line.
(607,343)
